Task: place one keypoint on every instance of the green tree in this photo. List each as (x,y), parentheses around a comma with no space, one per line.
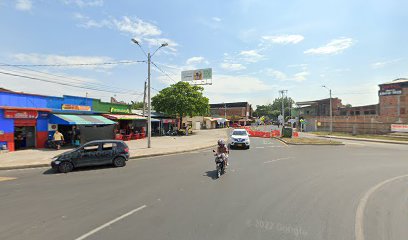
(136,105)
(274,110)
(180,100)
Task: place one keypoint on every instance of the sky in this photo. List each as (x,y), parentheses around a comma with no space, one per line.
(254,47)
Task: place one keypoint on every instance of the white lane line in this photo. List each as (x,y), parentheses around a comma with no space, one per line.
(359,220)
(110,223)
(275,146)
(259,147)
(279,159)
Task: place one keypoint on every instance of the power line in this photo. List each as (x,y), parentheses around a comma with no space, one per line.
(65,84)
(73,64)
(165,73)
(73,79)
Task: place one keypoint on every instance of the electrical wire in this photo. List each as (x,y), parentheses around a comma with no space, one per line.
(73,64)
(165,73)
(67,84)
(73,79)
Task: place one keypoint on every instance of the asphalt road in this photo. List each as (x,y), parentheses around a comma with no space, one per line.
(272,191)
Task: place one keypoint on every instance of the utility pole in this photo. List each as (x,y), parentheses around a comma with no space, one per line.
(283,105)
(144,98)
(225,111)
(331,109)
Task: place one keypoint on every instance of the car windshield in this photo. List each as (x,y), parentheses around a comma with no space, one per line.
(239,133)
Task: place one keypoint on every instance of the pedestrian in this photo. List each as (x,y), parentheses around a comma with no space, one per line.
(58,138)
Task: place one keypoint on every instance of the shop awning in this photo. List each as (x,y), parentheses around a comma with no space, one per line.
(210,119)
(67,119)
(124,117)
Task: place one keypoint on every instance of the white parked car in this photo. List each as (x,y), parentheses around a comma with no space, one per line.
(240,138)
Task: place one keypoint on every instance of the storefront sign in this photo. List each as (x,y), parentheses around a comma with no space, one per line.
(390,89)
(399,127)
(75,107)
(26,114)
(119,110)
(169,120)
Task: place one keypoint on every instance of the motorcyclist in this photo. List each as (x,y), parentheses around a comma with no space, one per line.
(223,150)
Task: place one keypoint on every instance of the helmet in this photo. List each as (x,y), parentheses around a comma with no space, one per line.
(221,142)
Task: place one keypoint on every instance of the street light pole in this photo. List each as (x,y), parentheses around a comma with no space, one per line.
(331,109)
(149,109)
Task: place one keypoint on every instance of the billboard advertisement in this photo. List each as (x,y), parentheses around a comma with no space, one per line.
(196,75)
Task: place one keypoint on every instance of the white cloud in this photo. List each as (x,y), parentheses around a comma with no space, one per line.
(35,58)
(384,63)
(195,60)
(85,3)
(276,74)
(232,66)
(216,19)
(24,5)
(236,84)
(251,56)
(283,39)
(281,76)
(87,22)
(137,27)
(301,76)
(335,46)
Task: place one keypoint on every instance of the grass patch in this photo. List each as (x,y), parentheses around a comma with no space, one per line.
(310,141)
(369,136)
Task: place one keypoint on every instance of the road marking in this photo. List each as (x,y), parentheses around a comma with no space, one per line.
(279,159)
(110,223)
(275,146)
(359,220)
(259,147)
(6,178)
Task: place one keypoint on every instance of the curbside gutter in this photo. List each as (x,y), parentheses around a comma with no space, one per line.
(308,144)
(41,165)
(366,140)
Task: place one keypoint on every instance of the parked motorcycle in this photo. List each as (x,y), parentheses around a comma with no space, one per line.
(53,144)
(171,133)
(220,163)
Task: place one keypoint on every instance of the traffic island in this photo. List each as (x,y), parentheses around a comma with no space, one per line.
(309,141)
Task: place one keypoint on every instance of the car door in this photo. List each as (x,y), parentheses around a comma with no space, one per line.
(108,152)
(89,155)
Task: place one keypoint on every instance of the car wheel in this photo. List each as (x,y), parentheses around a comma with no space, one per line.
(65,167)
(119,162)
(248,147)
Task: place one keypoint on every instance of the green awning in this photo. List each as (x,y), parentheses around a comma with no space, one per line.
(68,119)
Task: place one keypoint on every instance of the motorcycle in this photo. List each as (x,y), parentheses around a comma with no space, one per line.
(53,144)
(171,133)
(220,163)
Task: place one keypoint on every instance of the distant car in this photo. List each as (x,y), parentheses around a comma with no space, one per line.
(95,153)
(240,138)
(236,125)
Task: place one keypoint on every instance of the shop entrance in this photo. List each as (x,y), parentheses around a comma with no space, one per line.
(24,137)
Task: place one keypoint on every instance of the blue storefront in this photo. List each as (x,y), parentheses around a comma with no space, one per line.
(23,120)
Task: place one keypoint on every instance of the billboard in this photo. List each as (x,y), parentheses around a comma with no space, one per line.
(196,75)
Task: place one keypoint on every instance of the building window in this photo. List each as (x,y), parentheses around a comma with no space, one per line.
(357,113)
(366,112)
(402,110)
(372,112)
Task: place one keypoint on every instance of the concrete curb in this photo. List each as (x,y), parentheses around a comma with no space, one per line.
(308,144)
(366,140)
(41,165)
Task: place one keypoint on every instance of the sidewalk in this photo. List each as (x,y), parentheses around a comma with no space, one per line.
(311,135)
(138,149)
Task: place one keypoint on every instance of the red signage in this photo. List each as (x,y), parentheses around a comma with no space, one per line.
(23,114)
